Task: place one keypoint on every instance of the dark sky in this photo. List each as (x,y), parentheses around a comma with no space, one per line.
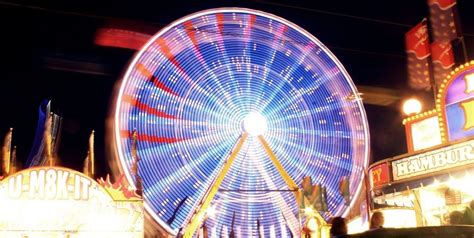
(366,36)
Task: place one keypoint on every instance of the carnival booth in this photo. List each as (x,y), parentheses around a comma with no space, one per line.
(50,202)
(435,177)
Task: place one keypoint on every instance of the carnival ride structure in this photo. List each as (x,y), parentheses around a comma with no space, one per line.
(231,107)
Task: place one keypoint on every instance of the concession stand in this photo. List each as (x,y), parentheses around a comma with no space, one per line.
(435,177)
(50,202)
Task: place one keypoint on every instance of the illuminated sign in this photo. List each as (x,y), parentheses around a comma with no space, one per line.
(379,175)
(52,183)
(425,133)
(436,160)
(59,202)
(459,104)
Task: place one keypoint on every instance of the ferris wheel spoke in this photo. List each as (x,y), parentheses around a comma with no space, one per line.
(220,36)
(207,96)
(247,52)
(325,160)
(276,39)
(153,109)
(291,168)
(190,32)
(151,138)
(312,109)
(287,73)
(185,77)
(279,199)
(323,111)
(152,79)
(202,142)
(312,133)
(219,150)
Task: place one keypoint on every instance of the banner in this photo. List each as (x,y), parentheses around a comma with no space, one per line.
(418,51)
(443,60)
(427,163)
(443,20)
(379,175)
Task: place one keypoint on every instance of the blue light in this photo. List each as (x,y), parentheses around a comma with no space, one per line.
(213,68)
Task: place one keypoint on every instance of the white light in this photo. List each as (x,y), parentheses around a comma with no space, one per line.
(412,106)
(211,212)
(255,124)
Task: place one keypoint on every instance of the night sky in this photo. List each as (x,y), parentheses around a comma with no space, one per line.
(40,41)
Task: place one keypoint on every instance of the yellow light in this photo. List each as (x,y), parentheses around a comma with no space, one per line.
(411,106)
(308,211)
(312,224)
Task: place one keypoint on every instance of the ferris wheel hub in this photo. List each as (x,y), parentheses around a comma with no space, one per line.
(255,124)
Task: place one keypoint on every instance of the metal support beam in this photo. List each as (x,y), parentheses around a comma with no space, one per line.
(288,180)
(200,213)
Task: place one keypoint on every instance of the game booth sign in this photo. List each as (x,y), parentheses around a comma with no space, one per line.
(434,178)
(60,202)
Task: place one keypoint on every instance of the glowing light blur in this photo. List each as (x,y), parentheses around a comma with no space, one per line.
(187,93)
(411,106)
(120,38)
(308,211)
(391,219)
(211,212)
(255,124)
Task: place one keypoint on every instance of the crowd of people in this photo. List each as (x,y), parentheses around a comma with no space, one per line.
(463,218)
(339,224)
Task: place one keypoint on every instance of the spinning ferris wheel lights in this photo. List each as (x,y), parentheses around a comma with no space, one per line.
(208,79)
(255,124)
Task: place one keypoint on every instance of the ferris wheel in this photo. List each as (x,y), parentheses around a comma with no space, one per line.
(232,107)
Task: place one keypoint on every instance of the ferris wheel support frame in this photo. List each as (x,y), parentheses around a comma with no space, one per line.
(200,212)
(198,217)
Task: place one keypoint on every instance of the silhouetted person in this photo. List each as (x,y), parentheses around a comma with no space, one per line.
(377,220)
(338,227)
(468,216)
(455,218)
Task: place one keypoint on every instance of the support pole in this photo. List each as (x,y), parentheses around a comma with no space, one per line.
(286,177)
(288,180)
(200,213)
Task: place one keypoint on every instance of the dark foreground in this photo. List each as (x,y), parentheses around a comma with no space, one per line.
(458,231)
